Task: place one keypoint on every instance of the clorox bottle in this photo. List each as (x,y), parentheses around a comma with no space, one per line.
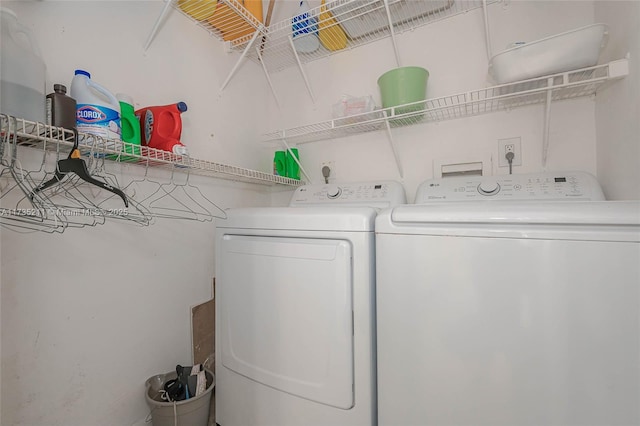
(98,110)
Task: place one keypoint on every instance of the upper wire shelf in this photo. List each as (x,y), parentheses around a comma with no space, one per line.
(337,26)
(567,85)
(227,20)
(51,138)
(345,24)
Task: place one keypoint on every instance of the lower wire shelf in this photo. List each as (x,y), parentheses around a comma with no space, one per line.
(42,136)
(567,85)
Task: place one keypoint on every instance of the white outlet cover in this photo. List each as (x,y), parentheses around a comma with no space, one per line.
(517,152)
(332,165)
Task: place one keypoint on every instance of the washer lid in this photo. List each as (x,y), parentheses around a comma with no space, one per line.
(301,218)
(615,220)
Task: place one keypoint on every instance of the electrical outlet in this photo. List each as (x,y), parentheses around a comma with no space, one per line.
(509,145)
(332,167)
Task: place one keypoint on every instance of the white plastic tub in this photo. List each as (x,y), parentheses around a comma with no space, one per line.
(575,49)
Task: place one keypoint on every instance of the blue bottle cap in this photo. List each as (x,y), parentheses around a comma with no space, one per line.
(83,72)
(182,107)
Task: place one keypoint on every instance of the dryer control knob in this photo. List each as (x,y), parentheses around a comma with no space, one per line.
(489,187)
(334,192)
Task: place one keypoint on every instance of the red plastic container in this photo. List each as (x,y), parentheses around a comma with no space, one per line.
(161,127)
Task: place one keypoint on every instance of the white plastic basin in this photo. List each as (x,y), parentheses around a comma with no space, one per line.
(575,49)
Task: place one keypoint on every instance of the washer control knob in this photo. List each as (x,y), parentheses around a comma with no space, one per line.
(489,187)
(334,192)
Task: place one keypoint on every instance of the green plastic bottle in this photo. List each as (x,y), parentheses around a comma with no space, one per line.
(130,127)
(280,163)
(293,169)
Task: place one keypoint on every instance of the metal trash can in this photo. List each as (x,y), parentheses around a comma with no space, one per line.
(189,412)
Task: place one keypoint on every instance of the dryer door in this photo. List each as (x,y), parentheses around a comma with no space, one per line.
(286,314)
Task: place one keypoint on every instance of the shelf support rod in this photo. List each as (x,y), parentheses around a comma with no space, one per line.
(156,26)
(242,56)
(547,119)
(304,75)
(266,74)
(393,146)
(487,34)
(392,32)
(304,172)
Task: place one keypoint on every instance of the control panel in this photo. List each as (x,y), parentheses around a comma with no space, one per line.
(372,194)
(538,186)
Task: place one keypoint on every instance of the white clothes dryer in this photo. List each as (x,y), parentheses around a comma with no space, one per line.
(519,311)
(295,309)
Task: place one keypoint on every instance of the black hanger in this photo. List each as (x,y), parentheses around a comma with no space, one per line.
(74,164)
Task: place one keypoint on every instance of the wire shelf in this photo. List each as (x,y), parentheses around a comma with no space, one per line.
(226,20)
(568,85)
(39,135)
(338,26)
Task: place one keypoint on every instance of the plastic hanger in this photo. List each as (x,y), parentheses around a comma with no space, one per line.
(64,203)
(75,164)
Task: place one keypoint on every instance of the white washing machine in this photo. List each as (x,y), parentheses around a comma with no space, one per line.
(519,311)
(295,309)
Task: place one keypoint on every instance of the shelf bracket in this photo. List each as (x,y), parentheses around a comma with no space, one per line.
(286,145)
(547,119)
(266,74)
(304,75)
(156,26)
(393,148)
(242,56)
(392,32)
(487,35)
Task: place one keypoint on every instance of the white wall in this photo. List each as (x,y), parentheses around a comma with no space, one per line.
(454,52)
(89,314)
(618,107)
